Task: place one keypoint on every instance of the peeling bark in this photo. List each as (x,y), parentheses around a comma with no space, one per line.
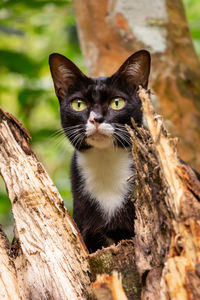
(112,30)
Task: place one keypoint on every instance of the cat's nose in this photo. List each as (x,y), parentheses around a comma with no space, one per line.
(99,119)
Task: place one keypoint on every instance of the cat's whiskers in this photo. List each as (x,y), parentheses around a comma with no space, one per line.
(57,132)
(74,132)
(81,140)
(76,136)
(59,141)
(120,140)
(77,140)
(60,135)
(122,136)
(125,133)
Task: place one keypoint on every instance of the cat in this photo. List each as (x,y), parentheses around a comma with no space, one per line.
(93,114)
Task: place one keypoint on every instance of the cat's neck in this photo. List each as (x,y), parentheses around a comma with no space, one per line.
(105,173)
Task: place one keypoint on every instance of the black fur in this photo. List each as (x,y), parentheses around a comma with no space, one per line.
(90,221)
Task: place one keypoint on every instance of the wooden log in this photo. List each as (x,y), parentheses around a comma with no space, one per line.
(51,258)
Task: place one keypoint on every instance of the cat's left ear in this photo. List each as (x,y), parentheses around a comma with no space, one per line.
(135,70)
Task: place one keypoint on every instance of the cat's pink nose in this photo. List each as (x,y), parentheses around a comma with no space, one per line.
(96,119)
(96,124)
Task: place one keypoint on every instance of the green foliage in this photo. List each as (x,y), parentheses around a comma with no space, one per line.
(192,8)
(29,32)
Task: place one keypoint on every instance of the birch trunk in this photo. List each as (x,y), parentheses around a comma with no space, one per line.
(111,30)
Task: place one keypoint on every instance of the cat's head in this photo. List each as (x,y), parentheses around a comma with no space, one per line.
(94,111)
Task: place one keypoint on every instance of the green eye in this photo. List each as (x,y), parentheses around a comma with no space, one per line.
(117,103)
(78,104)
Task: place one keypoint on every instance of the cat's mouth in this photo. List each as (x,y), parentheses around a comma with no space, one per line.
(99,139)
(100,136)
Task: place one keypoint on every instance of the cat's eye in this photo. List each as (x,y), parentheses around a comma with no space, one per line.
(78,104)
(117,103)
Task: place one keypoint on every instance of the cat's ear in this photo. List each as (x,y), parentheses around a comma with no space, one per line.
(64,73)
(135,70)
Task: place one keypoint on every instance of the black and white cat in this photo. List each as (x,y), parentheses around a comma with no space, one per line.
(94,112)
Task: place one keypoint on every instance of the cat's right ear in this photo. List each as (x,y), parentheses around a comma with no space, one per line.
(64,73)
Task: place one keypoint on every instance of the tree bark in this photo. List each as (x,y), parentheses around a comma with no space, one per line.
(50,256)
(167,225)
(8,277)
(109,287)
(111,30)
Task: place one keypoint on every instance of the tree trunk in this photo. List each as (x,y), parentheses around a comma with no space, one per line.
(111,30)
(49,255)
(167,226)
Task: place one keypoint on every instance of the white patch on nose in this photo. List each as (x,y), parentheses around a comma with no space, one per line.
(105,173)
(99,135)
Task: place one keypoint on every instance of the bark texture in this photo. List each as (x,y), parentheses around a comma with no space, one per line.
(120,258)
(170,265)
(50,257)
(109,287)
(8,277)
(111,30)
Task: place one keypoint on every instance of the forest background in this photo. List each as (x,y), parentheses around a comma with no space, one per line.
(29,32)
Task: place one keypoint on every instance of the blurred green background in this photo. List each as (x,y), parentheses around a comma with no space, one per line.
(29,32)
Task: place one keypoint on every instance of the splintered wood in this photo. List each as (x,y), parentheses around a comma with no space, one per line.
(8,276)
(50,257)
(109,287)
(180,276)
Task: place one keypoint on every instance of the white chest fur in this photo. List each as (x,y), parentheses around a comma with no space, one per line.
(105,173)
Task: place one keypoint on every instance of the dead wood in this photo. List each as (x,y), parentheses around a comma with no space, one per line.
(109,287)
(49,259)
(118,258)
(167,225)
(8,276)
